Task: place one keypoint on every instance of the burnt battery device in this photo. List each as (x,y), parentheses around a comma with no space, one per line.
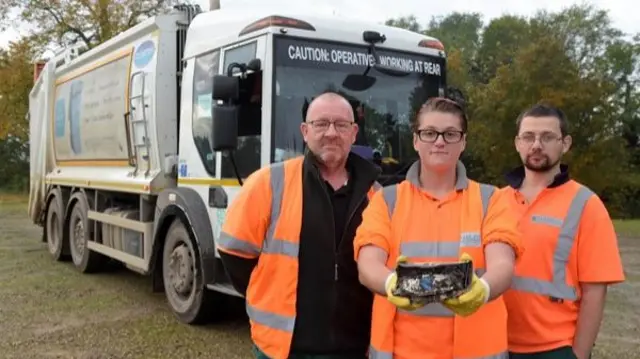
(433,282)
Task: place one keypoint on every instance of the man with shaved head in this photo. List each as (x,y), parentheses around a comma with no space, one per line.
(287,243)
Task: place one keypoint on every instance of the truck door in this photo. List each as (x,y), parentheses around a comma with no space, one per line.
(250,144)
(200,168)
(250,134)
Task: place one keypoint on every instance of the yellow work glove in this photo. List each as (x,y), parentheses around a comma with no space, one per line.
(470,301)
(391,283)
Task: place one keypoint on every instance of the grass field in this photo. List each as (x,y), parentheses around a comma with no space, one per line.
(628,228)
(48,310)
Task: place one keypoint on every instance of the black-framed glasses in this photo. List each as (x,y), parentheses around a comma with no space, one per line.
(431,136)
(546,138)
(342,126)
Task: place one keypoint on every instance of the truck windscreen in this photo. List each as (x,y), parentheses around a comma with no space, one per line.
(383,101)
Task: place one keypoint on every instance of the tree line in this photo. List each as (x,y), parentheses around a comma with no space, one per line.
(575,59)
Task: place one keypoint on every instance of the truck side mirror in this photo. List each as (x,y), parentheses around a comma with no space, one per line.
(224,127)
(224,122)
(225,88)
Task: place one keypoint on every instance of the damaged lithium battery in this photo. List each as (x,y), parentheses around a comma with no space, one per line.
(432,282)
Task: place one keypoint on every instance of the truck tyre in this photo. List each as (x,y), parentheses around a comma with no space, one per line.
(80,232)
(184,286)
(58,247)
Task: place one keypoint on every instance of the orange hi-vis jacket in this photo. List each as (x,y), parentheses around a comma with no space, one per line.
(570,240)
(405,220)
(271,294)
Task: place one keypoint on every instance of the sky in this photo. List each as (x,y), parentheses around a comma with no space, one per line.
(620,11)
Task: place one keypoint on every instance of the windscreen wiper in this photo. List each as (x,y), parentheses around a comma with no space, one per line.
(373,37)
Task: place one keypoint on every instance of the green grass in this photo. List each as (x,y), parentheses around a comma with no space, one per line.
(49,310)
(627,227)
(8,197)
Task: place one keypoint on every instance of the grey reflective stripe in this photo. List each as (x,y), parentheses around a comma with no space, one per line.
(558,287)
(278,246)
(271,244)
(486,191)
(376,186)
(430,249)
(277,188)
(271,320)
(374,354)
(470,239)
(502,355)
(429,310)
(390,195)
(555,222)
(229,242)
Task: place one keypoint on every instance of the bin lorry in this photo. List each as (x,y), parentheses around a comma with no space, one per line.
(140,144)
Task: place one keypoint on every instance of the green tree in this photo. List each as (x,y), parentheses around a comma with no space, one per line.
(16,77)
(574,59)
(406,22)
(501,40)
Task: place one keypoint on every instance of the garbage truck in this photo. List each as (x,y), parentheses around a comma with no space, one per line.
(138,145)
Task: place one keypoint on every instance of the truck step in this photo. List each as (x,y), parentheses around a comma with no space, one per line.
(128,259)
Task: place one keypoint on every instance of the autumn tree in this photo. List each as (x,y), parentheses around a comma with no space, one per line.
(16,77)
(61,22)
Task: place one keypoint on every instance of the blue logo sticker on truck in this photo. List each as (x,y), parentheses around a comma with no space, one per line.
(75,116)
(183,169)
(144,53)
(60,117)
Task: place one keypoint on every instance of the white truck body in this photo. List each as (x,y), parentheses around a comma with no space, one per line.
(121,158)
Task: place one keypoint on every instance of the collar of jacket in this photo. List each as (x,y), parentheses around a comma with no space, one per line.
(361,171)
(462,181)
(516,177)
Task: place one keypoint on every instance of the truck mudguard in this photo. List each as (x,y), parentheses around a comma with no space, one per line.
(187,205)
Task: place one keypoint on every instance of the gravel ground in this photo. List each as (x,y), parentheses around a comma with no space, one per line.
(48,310)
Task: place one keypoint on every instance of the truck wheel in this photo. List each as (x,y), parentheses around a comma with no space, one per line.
(56,244)
(184,284)
(85,260)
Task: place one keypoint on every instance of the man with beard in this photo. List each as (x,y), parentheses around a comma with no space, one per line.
(287,243)
(555,303)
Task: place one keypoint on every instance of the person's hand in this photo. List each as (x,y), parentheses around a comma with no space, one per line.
(391,284)
(470,301)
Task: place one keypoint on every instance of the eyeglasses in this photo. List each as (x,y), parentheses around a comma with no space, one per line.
(341,126)
(545,138)
(431,136)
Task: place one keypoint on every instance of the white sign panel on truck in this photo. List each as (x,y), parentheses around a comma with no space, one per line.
(88,121)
